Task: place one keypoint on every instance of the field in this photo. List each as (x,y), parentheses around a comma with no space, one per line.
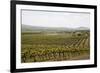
(41,47)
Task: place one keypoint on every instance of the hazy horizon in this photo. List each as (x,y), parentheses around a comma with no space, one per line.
(55,27)
(55,19)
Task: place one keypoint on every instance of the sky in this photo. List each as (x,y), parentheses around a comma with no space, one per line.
(55,19)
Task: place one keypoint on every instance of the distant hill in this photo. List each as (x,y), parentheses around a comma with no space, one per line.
(29,28)
(82,28)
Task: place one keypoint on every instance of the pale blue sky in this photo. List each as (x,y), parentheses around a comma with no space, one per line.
(55,19)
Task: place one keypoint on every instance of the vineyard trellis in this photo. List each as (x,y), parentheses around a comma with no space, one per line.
(40,49)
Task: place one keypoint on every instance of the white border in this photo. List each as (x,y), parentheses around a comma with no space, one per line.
(20,65)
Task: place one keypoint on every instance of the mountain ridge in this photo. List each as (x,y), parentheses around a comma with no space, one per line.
(25,27)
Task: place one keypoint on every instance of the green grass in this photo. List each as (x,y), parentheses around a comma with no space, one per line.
(59,47)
